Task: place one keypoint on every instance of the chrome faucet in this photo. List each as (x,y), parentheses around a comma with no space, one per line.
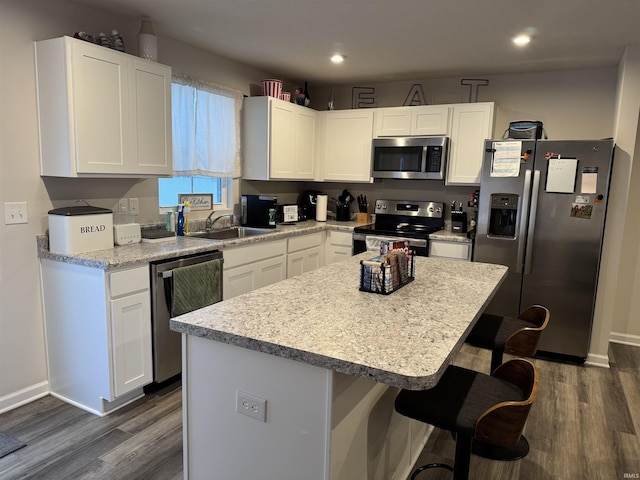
(210,223)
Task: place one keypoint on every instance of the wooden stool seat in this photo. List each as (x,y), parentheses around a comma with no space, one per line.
(475,406)
(516,336)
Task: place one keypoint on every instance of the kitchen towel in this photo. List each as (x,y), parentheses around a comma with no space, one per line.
(321,208)
(196,286)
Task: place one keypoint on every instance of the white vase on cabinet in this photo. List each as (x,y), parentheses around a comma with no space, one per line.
(147,41)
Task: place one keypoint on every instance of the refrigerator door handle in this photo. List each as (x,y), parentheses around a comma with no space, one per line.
(523,220)
(532,221)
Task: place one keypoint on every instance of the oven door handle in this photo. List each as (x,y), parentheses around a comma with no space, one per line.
(416,242)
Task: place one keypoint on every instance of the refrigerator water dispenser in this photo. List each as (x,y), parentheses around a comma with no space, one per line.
(503,215)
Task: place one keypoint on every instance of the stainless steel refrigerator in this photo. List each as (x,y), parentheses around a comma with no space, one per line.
(542,212)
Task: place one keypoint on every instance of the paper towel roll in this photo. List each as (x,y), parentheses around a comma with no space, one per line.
(321,208)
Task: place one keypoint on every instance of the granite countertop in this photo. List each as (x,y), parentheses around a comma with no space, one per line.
(135,254)
(405,339)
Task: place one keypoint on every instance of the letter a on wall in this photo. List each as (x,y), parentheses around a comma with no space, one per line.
(415,96)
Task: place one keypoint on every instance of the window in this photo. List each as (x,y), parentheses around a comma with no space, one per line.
(206,141)
(170,188)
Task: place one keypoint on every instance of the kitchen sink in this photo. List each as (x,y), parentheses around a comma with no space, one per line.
(233,232)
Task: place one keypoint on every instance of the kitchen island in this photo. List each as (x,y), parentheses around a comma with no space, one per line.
(328,359)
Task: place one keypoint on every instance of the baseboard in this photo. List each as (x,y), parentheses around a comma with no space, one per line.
(625,339)
(24,396)
(597,360)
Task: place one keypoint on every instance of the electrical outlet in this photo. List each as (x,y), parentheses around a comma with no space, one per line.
(123,205)
(134,207)
(251,406)
(15,212)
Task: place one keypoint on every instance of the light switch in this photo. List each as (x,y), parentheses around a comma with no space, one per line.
(15,212)
(134,207)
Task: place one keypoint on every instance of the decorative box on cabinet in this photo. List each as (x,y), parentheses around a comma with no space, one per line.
(347,145)
(98,332)
(101,113)
(278,140)
(415,120)
(472,124)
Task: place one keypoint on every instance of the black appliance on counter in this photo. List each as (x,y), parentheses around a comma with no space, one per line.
(398,220)
(308,201)
(259,211)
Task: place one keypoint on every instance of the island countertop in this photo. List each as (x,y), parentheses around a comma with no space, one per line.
(405,339)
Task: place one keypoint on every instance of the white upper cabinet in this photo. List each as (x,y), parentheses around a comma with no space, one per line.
(415,121)
(278,140)
(472,124)
(101,113)
(346,149)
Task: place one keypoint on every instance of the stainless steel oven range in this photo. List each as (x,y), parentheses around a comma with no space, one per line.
(400,220)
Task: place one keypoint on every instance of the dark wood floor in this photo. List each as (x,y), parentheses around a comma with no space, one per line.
(583,425)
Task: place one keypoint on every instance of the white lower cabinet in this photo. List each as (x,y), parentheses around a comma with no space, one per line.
(253,266)
(305,253)
(338,246)
(98,333)
(130,336)
(458,250)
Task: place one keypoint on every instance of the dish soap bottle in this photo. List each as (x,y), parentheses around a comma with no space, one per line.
(180,222)
(187,209)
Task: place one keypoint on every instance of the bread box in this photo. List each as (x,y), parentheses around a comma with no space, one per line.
(80,229)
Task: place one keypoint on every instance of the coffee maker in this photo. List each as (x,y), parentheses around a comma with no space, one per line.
(259,211)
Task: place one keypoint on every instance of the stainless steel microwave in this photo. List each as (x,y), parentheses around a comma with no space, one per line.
(420,158)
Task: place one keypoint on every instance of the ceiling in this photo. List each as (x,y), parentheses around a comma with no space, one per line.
(393,40)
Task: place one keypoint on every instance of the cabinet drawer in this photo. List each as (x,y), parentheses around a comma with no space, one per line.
(128,281)
(455,250)
(340,238)
(234,257)
(305,241)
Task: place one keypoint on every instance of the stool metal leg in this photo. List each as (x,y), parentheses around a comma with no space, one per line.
(463,457)
(418,471)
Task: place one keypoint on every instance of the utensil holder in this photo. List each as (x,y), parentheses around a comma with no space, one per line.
(343,213)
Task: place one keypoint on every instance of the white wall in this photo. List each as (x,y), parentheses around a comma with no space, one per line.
(618,302)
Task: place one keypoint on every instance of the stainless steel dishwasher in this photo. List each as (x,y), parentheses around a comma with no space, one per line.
(167,346)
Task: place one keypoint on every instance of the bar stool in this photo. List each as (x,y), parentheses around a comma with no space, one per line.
(474,406)
(516,336)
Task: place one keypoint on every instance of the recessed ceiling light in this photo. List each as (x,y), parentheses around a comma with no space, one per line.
(521,40)
(337,58)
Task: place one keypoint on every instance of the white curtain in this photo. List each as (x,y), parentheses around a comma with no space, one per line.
(206,128)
